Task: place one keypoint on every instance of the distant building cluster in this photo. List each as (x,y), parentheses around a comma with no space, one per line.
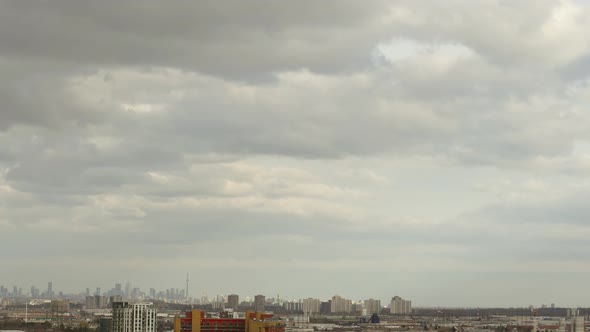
(127,309)
(119,293)
(17,292)
(98,298)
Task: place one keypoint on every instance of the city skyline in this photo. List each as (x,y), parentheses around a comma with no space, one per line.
(127,291)
(439,151)
(175,294)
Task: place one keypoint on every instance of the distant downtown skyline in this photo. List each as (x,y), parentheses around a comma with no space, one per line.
(128,291)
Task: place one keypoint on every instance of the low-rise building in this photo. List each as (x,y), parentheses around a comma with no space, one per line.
(195,321)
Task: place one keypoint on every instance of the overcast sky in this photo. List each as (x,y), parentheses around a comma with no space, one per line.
(439,151)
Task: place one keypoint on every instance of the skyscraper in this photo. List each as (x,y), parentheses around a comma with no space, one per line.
(259,302)
(233,301)
(34,292)
(118,289)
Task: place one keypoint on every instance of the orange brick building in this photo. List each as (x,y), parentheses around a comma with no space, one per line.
(195,321)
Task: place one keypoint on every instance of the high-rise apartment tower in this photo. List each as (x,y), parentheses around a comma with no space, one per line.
(400,306)
(138,317)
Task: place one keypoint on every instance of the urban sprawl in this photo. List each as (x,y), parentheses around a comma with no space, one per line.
(129,309)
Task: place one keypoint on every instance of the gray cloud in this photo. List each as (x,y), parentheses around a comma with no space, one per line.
(232,38)
(309,141)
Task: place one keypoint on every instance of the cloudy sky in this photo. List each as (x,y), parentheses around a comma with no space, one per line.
(435,150)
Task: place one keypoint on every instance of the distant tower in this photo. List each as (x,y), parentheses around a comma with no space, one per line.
(186,290)
(259,302)
(233,301)
(127,289)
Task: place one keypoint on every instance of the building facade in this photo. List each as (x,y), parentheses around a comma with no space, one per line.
(195,321)
(340,305)
(138,317)
(96,302)
(372,306)
(311,306)
(293,306)
(400,306)
(59,308)
(578,324)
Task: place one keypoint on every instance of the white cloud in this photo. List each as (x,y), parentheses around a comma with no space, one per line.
(441,54)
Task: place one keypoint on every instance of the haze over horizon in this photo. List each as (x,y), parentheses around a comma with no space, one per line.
(438,151)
